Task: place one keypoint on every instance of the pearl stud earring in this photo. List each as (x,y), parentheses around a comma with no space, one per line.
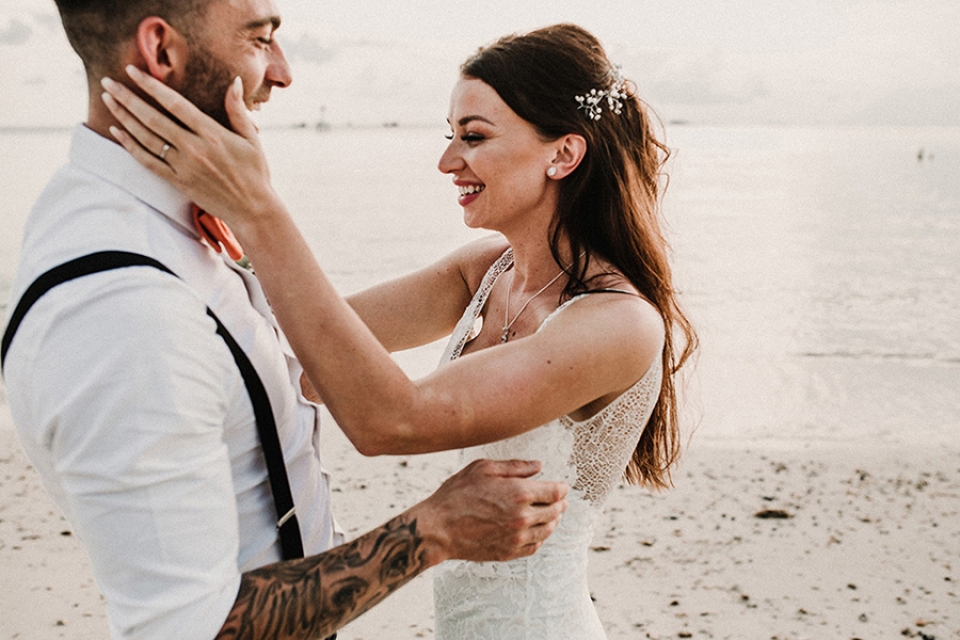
(552,171)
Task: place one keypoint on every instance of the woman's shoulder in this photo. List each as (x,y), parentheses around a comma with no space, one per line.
(613,317)
(614,338)
(621,306)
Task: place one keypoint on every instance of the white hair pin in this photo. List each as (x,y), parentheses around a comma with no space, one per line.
(592,102)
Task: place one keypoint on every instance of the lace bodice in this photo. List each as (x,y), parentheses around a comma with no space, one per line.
(546,595)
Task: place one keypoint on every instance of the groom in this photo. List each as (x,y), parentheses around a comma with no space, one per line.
(131,386)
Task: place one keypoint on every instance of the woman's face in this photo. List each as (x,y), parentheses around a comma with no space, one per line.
(497,159)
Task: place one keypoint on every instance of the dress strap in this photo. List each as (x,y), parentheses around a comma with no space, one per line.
(465,329)
(580,296)
(628,293)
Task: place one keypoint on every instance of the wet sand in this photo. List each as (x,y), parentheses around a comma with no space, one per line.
(774,542)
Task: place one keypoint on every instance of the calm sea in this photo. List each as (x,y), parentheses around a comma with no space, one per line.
(821,266)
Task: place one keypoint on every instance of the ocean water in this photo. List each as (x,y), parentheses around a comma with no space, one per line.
(821,267)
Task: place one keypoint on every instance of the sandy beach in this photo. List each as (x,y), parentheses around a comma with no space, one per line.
(774,542)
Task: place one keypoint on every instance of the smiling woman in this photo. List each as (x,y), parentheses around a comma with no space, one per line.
(581,334)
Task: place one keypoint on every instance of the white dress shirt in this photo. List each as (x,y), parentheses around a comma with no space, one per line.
(133,411)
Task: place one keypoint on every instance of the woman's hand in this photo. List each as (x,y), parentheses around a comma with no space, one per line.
(224,172)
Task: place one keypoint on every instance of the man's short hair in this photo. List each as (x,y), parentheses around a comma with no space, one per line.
(97,28)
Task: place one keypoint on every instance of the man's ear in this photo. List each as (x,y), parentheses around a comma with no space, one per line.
(570,150)
(164,49)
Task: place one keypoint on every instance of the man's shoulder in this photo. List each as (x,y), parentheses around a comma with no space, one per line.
(139,305)
(75,214)
(79,214)
(102,199)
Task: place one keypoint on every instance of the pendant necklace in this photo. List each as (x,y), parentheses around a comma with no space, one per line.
(505,335)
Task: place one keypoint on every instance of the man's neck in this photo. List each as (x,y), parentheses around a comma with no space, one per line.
(99,118)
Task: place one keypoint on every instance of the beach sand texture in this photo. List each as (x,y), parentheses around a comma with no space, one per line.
(781,543)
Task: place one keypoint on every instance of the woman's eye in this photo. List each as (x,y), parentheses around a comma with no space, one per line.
(469,138)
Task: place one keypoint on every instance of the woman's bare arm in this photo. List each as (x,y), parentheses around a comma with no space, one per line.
(597,346)
(418,308)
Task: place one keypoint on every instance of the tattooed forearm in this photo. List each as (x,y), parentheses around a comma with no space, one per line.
(313,597)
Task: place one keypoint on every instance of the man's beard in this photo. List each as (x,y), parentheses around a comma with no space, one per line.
(205,84)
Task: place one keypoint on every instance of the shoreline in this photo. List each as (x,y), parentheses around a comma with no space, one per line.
(859,542)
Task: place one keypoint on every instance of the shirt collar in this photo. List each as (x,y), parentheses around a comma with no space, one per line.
(111,162)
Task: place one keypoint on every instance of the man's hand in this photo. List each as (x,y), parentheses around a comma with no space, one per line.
(488,511)
(491,510)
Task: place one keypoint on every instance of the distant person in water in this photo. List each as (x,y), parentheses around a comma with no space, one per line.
(163,412)
(565,330)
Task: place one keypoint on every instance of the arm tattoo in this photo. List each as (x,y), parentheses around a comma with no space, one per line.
(313,597)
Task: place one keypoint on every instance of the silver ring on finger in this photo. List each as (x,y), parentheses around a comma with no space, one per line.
(163,152)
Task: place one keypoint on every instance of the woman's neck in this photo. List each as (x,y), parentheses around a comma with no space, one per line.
(533,262)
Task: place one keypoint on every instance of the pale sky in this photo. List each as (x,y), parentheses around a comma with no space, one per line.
(712,61)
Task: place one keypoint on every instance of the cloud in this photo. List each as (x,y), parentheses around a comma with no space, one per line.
(716,62)
(308,48)
(16,33)
(42,83)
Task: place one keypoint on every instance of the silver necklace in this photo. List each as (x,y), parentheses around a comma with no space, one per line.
(505,335)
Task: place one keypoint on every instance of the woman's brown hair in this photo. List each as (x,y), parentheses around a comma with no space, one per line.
(609,207)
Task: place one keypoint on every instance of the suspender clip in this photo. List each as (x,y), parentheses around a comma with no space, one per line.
(286,516)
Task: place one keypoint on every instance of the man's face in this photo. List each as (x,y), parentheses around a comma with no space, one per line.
(235,39)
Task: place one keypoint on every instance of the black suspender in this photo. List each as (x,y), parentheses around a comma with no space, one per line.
(287,525)
(86,265)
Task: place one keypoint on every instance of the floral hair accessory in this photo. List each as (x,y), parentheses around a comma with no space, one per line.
(592,102)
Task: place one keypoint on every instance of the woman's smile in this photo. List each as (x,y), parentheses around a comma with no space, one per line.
(469,191)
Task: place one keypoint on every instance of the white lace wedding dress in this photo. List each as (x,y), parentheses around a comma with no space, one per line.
(544,596)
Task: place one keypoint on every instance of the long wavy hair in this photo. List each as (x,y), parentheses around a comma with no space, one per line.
(609,207)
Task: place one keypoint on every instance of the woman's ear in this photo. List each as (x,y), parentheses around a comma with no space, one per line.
(163,49)
(570,150)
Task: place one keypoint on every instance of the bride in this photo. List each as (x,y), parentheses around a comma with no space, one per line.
(566,334)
